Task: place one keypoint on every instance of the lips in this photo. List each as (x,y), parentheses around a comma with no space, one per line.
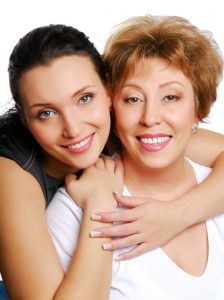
(81,145)
(154,142)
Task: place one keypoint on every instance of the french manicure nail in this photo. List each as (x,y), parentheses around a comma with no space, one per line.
(96,217)
(94,233)
(107,246)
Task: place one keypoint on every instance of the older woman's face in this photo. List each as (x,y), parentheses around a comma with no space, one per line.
(155,114)
(67,110)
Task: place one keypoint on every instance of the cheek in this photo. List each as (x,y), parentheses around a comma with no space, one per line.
(45,135)
(122,125)
(182,118)
(101,116)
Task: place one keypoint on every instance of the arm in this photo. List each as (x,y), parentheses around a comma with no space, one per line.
(89,261)
(151,223)
(29,263)
(26,247)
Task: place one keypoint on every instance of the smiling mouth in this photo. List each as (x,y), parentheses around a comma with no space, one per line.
(80,144)
(154,140)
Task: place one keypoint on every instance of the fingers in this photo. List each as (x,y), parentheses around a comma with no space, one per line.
(99,164)
(70,182)
(130,202)
(114,231)
(105,162)
(125,242)
(116,216)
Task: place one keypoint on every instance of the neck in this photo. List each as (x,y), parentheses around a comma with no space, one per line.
(165,184)
(57,169)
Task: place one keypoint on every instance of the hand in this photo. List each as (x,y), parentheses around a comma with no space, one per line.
(146,224)
(97,183)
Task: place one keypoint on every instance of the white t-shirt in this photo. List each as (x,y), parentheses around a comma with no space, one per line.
(153,275)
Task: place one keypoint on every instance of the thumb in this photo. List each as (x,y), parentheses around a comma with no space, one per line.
(130,202)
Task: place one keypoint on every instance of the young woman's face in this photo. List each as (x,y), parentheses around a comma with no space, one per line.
(155,114)
(66,109)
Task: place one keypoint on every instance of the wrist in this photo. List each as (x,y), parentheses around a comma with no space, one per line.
(99,205)
(182,214)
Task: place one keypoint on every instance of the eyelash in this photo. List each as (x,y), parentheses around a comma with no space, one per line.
(40,115)
(168,98)
(171,98)
(132,100)
(86,96)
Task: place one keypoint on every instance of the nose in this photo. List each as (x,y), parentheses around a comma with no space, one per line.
(151,114)
(71,124)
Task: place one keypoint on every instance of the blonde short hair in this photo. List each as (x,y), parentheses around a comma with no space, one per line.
(171,38)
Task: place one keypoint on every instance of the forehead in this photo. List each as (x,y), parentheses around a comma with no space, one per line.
(69,63)
(62,71)
(156,70)
(62,74)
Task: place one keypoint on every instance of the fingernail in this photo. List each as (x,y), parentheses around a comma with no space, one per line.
(96,217)
(107,246)
(94,233)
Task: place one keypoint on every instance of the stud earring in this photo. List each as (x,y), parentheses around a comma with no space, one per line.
(194,130)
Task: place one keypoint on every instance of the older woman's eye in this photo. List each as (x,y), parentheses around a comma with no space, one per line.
(45,114)
(171,98)
(132,100)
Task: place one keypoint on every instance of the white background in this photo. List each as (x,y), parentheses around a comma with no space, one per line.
(96,19)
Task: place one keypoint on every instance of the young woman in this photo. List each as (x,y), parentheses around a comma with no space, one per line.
(167,72)
(63,119)
(60,125)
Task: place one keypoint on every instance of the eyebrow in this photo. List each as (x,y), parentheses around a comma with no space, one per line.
(40,104)
(163,85)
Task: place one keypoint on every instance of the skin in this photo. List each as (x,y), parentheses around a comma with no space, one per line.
(164,91)
(155,167)
(64,103)
(131,108)
(28,207)
(149,223)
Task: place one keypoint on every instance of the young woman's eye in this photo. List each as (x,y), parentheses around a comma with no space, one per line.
(132,100)
(45,114)
(85,99)
(171,98)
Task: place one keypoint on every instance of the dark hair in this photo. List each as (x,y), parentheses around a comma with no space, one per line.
(41,46)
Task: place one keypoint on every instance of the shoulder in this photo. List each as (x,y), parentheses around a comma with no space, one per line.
(17,144)
(19,190)
(11,172)
(201,172)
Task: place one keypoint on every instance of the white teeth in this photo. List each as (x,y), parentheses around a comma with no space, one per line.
(155,140)
(80,145)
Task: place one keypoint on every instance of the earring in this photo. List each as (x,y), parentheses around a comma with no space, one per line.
(194,130)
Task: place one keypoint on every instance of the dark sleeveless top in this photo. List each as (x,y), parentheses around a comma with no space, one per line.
(17,144)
